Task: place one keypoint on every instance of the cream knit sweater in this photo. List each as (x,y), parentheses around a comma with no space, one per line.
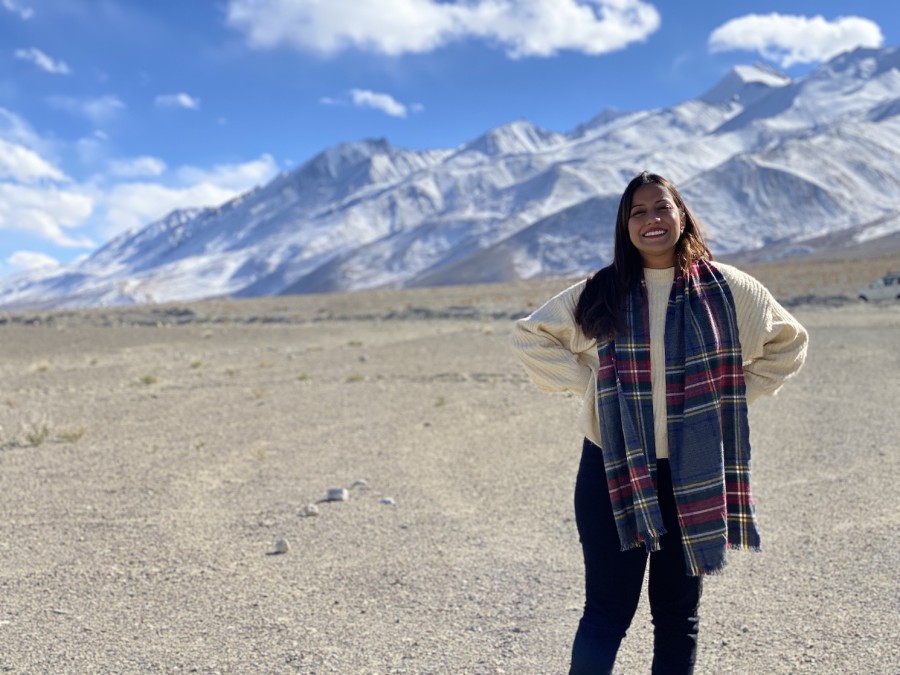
(559,357)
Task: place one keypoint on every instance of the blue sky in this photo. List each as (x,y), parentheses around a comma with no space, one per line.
(115,112)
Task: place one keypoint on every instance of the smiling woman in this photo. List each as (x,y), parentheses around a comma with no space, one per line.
(666,348)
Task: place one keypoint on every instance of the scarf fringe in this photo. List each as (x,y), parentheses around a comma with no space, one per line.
(719,568)
(650,539)
(752,548)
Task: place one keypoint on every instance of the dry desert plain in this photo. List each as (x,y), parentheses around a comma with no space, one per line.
(150,458)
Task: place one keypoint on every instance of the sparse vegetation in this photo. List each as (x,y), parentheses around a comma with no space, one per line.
(41,367)
(302,377)
(72,435)
(355,377)
(441,401)
(355,343)
(35,434)
(148,379)
(231,372)
(196,364)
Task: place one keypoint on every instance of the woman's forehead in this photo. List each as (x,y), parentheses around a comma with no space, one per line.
(650,193)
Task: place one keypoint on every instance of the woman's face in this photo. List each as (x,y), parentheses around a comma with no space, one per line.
(655,225)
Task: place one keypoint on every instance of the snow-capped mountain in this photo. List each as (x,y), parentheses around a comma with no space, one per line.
(762,160)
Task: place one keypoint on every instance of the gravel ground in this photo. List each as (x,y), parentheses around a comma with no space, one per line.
(146,472)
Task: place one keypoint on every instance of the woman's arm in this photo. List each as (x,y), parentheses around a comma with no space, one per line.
(551,346)
(772,341)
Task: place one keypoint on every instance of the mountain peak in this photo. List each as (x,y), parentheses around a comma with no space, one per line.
(335,160)
(746,84)
(513,138)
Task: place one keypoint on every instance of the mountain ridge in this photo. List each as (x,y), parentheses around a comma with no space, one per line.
(761,158)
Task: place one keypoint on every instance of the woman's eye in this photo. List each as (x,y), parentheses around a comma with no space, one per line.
(637,213)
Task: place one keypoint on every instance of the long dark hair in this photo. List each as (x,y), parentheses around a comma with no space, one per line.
(601,306)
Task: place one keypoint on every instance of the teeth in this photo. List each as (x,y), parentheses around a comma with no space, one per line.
(654,233)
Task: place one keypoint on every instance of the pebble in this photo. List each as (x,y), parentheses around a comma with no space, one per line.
(388,501)
(360,484)
(338,494)
(308,511)
(282,546)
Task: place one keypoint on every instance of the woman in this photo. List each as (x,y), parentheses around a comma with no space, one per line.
(666,348)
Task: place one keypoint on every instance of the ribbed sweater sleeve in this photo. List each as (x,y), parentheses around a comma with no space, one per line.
(558,356)
(552,347)
(773,343)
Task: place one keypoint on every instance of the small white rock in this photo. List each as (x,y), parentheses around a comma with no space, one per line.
(282,546)
(361,484)
(338,494)
(388,501)
(309,511)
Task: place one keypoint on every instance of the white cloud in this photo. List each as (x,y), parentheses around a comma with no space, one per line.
(45,211)
(790,39)
(522,27)
(36,197)
(16,130)
(363,98)
(32,198)
(43,61)
(97,110)
(181,100)
(30,260)
(236,177)
(137,167)
(23,165)
(130,205)
(24,13)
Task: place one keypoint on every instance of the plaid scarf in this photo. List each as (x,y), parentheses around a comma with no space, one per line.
(706,413)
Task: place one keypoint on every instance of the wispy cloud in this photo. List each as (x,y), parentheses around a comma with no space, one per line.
(97,110)
(137,167)
(366,98)
(129,205)
(43,61)
(24,165)
(45,211)
(241,176)
(363,98)
(522,27)
(24,13)
(791,39)
(30,260)
(181,100)
(37,198)
(35,195)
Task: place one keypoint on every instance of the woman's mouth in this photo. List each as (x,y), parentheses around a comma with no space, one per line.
(654,233)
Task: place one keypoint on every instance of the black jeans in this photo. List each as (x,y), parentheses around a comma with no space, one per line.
(613,579)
